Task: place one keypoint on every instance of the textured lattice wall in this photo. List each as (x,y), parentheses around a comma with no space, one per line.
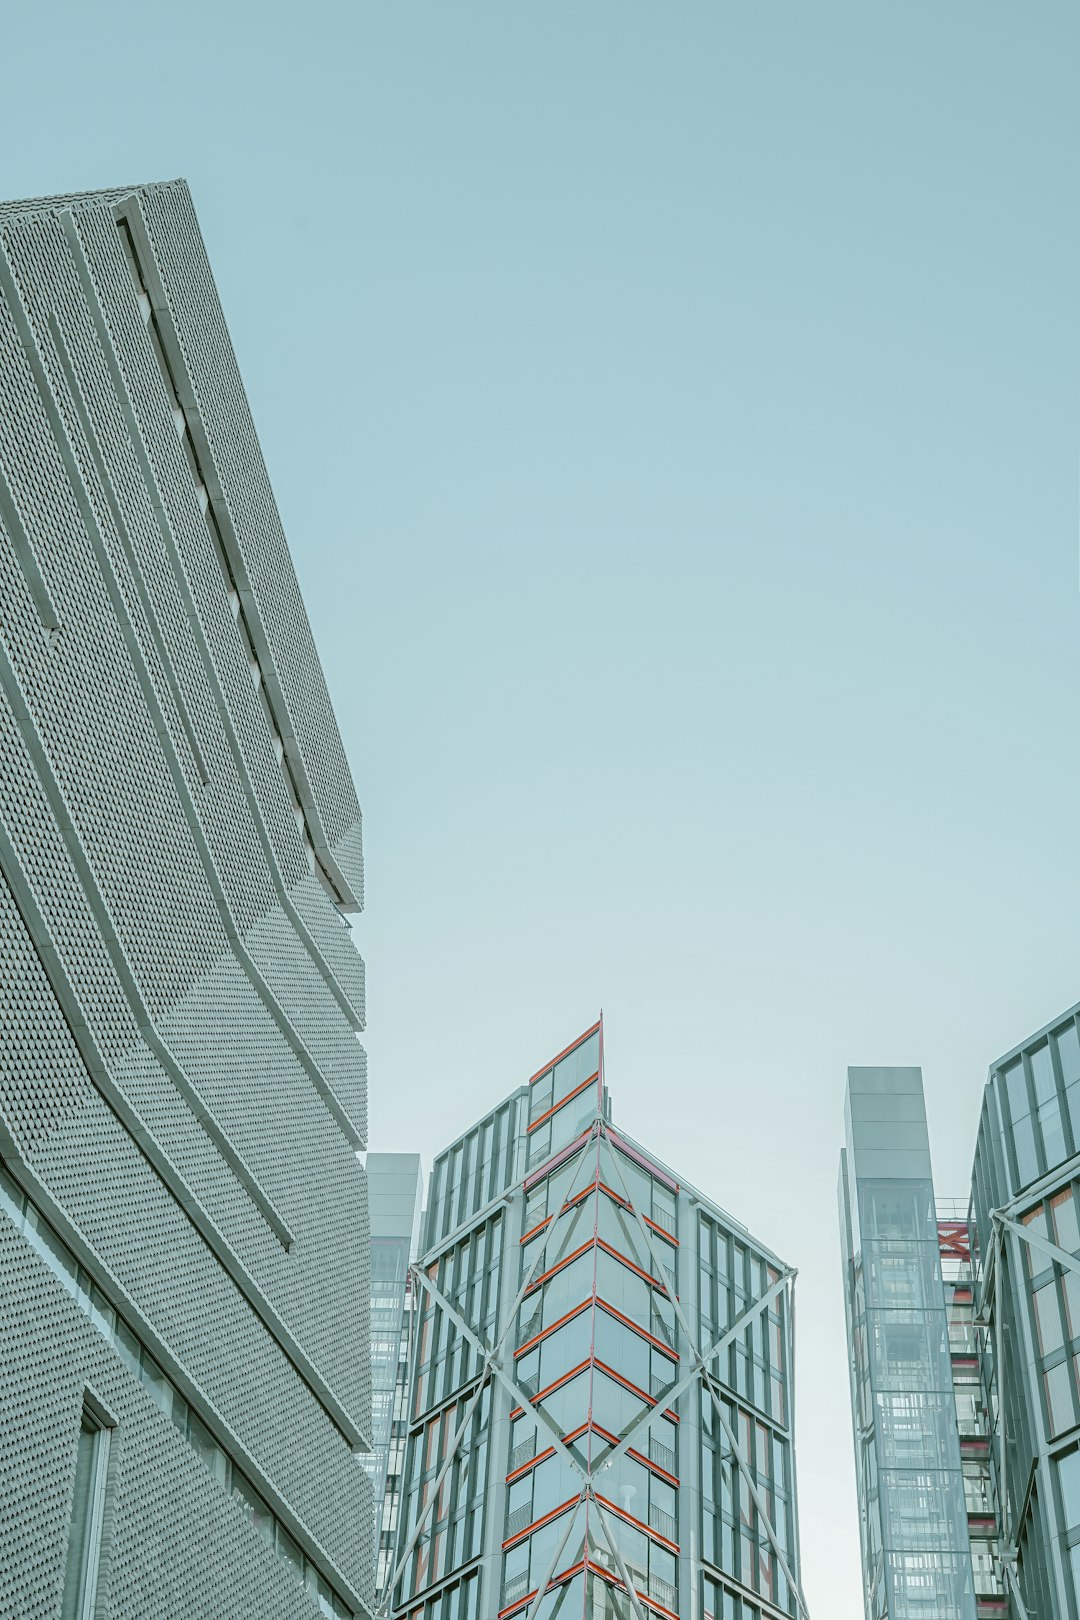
(180,1080)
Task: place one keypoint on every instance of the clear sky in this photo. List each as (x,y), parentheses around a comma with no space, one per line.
(673,410)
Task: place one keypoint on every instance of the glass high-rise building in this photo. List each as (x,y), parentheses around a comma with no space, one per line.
(1026,1235)
(964,1328)
(183,1218)
(395,1202)
(600,1419)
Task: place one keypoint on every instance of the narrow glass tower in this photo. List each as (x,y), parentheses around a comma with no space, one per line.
(912,1513)
(601,1410)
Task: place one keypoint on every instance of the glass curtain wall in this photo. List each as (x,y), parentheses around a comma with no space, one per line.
(913,1519)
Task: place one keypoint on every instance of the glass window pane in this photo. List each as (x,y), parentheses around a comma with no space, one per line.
(1016,1087)
(1068,1046)
(1068,1470)
(1042,1074)
(1059,1402)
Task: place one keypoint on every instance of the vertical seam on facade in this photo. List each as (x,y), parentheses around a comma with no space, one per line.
(24,553)
(132,213)
(112,361)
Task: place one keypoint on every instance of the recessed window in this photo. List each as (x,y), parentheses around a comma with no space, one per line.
(87,1517)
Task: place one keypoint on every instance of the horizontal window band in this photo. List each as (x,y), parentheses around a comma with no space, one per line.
(562,1102)
(536,1230)
(143,1364)
(641,1159)
(538,1524)
(566,1051)
(631,1265)
(608,1249)
(620,1586)
(563,1378)
(560,1265)
(638,1524)
(557,1160)
(668,1237)
(546,1333)
(574,1435)
(520,1605)
(642,1333)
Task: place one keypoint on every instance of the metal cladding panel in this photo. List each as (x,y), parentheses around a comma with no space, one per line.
(181,1548)
(179,1072)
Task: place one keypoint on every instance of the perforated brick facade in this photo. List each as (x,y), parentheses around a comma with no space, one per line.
(183,1220)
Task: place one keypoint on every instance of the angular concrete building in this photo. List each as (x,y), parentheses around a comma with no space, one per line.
(183,1219)
(600,1424)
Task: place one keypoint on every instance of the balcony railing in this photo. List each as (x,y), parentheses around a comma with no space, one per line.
(515,1588)
(518,1521)
(523,1453)
(663,1592)
(662,1522)
(663,1456)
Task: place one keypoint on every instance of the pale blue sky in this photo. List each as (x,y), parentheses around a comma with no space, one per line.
(673,409)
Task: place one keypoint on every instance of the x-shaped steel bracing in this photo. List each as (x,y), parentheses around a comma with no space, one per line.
(701,1368)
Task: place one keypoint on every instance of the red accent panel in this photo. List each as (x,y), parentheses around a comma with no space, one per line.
(954,1240)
